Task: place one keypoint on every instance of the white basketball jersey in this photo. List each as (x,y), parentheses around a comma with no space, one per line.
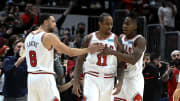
(98,63)
(132,70)
(39,58)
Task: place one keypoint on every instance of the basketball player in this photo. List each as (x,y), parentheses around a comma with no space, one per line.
(99,69)
(134,45)
(39,46)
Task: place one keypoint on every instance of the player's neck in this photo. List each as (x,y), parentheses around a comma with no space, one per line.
(42,28)
(132,35)
(102,34)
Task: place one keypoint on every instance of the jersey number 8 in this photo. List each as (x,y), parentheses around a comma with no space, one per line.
(33,60)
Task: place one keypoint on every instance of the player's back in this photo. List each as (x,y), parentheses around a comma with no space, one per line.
(132,70)
(96,62)
(39,59)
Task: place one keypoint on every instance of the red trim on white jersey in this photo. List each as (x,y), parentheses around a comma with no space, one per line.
(135,37)
(115,40)
(41,73)
(119,99)
(96,74)
(104,38)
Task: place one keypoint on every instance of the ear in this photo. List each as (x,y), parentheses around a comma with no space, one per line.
(46,22)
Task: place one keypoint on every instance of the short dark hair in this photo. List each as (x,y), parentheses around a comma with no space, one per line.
(43,17)
(18,41)
(81,23)
(133,15)
(154,56)
(102,16)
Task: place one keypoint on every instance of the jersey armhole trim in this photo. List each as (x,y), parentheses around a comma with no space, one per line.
(91,35)
(115,40)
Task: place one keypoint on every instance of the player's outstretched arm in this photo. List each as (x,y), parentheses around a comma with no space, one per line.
(139,47)
(50,40)
(78,68)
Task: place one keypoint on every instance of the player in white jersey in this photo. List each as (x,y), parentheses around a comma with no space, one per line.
(99,70)
(134,47)
(39,46)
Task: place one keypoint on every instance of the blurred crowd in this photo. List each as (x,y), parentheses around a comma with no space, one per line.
(19,17)
(160,76)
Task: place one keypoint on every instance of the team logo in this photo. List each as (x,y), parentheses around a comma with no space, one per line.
(130,42)
(110,40)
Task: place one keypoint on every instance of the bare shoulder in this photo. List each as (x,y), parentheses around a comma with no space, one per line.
(86,41)
(49,37)
(87,37)
(118,43)
(141,39)
(140,42)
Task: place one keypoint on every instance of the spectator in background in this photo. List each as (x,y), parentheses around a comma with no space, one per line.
(30,16)
(12,40)
(79,34)
(146,59)
(15,70)
(132,4)
(173,74)
(163,67)
(59,70)
(1,80)
(3,51)
(61,20)
(66,89)
(174,56)
(3,41)
(152,86)
(167,15)
(148,12)
(172,78)
(3,29)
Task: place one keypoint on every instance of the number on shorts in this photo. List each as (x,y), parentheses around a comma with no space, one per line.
(99,60)
(33,60)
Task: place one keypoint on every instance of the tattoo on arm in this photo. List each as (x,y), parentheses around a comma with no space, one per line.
(120,71)
(120,67)
(80,59)
(137,52)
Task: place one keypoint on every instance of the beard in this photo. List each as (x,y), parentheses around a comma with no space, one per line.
(177,62)
(51,30)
